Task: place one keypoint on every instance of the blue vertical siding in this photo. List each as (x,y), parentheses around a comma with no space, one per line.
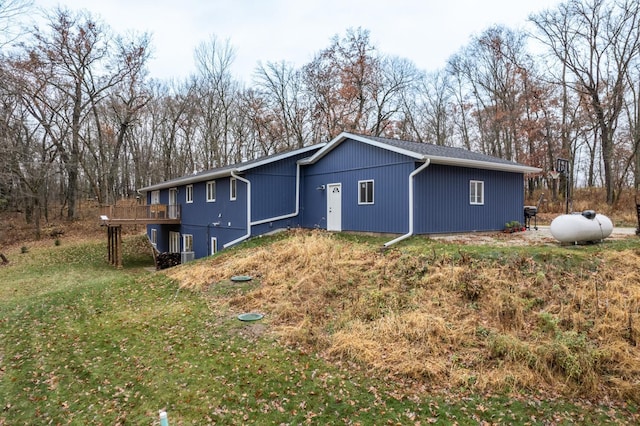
(223,218)
(442,200)
(347,164)
(441,195)
(273,187)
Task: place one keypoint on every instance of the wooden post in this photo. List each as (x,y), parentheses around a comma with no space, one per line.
(109,245)
(119,247)
(114,245)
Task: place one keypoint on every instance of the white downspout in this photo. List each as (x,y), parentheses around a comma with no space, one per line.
(411,176)
(248,234)
(297,208)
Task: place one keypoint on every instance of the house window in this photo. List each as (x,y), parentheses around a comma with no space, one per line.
(211,191)
(365,192)
(232,189)
(189,195)
(187,242)
(214,245)
(174,242)
(476,192)
(154,238)
(155,197)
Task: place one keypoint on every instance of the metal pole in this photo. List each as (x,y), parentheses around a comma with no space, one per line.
(566,194)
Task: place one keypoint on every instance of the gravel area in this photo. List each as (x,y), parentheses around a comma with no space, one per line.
(541,236)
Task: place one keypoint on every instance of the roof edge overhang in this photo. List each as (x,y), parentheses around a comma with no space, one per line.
(486,165)
(344,136)
(226,171)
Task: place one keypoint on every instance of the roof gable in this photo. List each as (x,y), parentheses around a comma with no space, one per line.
(437,154)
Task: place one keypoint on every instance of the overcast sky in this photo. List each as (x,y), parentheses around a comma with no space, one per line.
(427,32)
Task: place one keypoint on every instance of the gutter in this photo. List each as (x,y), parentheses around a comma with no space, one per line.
(248,234)
(271,219)
(427,161)
(297,208)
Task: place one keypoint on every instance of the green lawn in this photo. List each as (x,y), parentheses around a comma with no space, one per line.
(83,343)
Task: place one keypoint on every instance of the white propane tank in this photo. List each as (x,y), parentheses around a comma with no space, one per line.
(581,227)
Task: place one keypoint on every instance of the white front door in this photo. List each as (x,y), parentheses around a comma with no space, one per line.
(334,207)
(174,242)
(173,201)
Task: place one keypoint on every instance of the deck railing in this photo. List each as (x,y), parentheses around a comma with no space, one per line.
(151,213)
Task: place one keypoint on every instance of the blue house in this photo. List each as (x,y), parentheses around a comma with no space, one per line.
(352,183)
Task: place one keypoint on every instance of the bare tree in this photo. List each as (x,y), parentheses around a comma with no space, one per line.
(217,96)
(427,110)
(339,82)
(280,86)
(76,67)
(10,13)
(597,41)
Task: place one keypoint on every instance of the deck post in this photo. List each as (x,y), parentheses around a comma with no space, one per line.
(114,245)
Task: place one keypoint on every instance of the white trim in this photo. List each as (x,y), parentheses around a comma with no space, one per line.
(296,209)
(373,188)
(248,234)
(460,162)
(154,237)
(213,245)
(344,135)
(188,194)
(211,183)
(233,189)
(155,197)
(174,237)
(229,170)
(278,157)
(186,237)
(475,184)
(484,165)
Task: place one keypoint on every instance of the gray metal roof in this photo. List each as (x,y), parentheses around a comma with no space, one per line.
(436,154)
(440,151)
(227,170)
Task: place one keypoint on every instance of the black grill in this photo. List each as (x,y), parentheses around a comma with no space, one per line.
(529,213)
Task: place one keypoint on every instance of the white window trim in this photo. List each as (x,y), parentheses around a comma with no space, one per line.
(174,238)
(189,194)
(474,185)
(155,197)
(373,188)
(214,245)
(233,189)
(211,184)
(185,238)
(154,237)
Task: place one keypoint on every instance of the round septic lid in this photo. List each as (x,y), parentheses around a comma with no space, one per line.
(237,278)
(250,316)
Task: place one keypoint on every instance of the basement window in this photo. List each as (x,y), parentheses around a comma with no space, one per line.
(476,192)
(365,192)
(187,242)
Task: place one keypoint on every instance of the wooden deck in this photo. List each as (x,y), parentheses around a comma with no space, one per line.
(140,215)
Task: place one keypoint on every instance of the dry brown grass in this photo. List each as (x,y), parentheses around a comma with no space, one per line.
(445,321)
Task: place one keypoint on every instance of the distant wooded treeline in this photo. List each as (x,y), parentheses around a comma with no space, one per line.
(79,117)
